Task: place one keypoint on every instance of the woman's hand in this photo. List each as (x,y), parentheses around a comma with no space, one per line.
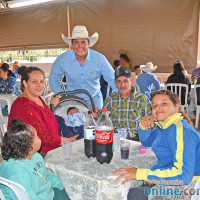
(71,139)
(127,174)
(147,122)
(55,100)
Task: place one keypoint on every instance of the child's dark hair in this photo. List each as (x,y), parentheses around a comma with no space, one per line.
(70,108)
(17,142)
(26,75)
(175,100)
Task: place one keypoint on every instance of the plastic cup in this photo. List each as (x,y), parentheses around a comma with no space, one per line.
(116,141)
(67,150)
(124,148)
(122,132)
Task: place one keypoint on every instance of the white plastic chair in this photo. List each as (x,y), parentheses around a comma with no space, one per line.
(174,88)
(3,126)
(197,106)
(108,91)
(47,88)
(18,189)
(6,99)
(160,78)
(47,98)
(137,87)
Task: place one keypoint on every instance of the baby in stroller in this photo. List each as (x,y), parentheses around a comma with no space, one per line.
(73,124)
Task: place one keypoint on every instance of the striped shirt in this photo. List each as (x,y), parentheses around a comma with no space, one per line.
(127,113)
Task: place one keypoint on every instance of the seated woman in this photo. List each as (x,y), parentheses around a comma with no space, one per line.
(30,107)
(8,84)
(172,138)
(180,76)
(22,164)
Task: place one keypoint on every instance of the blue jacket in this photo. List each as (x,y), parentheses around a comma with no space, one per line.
(177,146)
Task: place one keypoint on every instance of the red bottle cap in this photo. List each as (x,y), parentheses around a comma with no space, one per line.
(104,109)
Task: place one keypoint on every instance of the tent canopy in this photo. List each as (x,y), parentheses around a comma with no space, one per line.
(158,31)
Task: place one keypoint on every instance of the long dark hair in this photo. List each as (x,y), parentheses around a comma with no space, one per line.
(175,100)
(179,71)
(26,75)
(125,57)
(17,142)
(5,68)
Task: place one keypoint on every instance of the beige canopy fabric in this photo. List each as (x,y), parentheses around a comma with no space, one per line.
(33,28)
(158,31)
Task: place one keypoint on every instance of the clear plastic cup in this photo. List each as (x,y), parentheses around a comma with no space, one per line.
(123,133)
(116,141)
(67,150)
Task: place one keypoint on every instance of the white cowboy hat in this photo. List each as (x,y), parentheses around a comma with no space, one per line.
(80,32)
(148,67)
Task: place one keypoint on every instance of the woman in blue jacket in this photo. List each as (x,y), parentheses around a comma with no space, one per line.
(175,142)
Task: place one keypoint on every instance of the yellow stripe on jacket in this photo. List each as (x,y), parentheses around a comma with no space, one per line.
(142,174)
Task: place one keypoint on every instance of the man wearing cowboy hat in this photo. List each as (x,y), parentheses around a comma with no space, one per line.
(147,79)
(82,67)
(127,106)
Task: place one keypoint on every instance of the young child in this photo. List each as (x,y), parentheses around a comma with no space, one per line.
(172,138)
(22,164)
(73,124)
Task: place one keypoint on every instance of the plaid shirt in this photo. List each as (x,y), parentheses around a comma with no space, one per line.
(127,113)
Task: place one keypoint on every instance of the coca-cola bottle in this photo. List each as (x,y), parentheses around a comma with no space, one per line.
(104,138)
(89,135)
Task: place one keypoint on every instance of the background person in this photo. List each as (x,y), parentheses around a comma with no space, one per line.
(82,67)
(172,138)
(22,164)
(16,66)
(124,59)
(138,71)
(8,85)
(30,107)
(116,64)
(179,76)
(196,72)
(146,80)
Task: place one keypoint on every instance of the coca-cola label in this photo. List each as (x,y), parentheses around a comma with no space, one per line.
(104,137)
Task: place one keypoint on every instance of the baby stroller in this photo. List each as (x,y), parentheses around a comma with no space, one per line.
(68,100)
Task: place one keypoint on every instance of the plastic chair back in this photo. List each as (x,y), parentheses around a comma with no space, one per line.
(176,88)
(7,99)
(18,189)
(3,126)
(137,87)
(160,78)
